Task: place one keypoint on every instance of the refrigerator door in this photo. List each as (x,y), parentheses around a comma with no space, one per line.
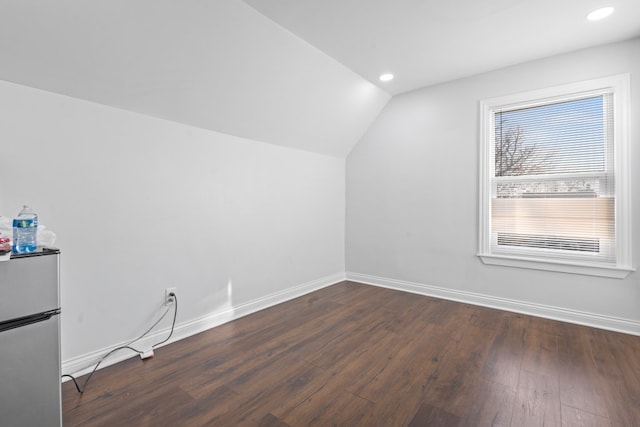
(28,285)
(30,375)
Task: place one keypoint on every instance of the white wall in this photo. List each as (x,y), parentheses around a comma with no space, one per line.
(412,197)
(140,204)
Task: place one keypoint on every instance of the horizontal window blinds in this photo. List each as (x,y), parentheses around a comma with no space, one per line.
(552,181)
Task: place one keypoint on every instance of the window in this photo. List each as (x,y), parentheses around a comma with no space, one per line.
(554,184)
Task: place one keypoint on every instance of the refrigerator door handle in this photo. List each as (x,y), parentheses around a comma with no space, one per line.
(28,320)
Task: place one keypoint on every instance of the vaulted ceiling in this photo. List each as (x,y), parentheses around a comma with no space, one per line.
(424,42)
(298,73)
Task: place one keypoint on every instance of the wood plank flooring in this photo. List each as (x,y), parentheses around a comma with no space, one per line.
(358,355)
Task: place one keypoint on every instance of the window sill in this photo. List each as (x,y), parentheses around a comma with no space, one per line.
(563,267)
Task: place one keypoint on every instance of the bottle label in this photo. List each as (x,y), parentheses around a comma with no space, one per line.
(25,223)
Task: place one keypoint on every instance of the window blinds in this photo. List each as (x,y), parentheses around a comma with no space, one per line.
(552,181)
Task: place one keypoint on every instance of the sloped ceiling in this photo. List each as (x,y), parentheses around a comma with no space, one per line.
(424,42)
(299,73)
(218,65)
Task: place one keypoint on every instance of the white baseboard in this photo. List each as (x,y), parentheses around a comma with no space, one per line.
(556,313)
(84,364)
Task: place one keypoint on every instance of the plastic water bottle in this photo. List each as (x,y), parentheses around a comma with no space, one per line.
(25,229)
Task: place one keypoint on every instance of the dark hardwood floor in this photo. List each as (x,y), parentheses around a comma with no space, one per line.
(357,355)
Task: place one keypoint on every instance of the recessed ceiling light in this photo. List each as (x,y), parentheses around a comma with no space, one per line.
(601,13)
(386,77)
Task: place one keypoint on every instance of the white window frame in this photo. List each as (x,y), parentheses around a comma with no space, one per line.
(619,85)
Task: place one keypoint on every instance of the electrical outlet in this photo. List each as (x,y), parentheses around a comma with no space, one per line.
(168,299)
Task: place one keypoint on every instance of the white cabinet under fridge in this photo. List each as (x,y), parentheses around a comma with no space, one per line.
(30,340)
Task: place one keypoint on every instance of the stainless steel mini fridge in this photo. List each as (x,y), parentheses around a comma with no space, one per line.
(30,340)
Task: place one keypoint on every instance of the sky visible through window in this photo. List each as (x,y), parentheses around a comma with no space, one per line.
(557,138)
